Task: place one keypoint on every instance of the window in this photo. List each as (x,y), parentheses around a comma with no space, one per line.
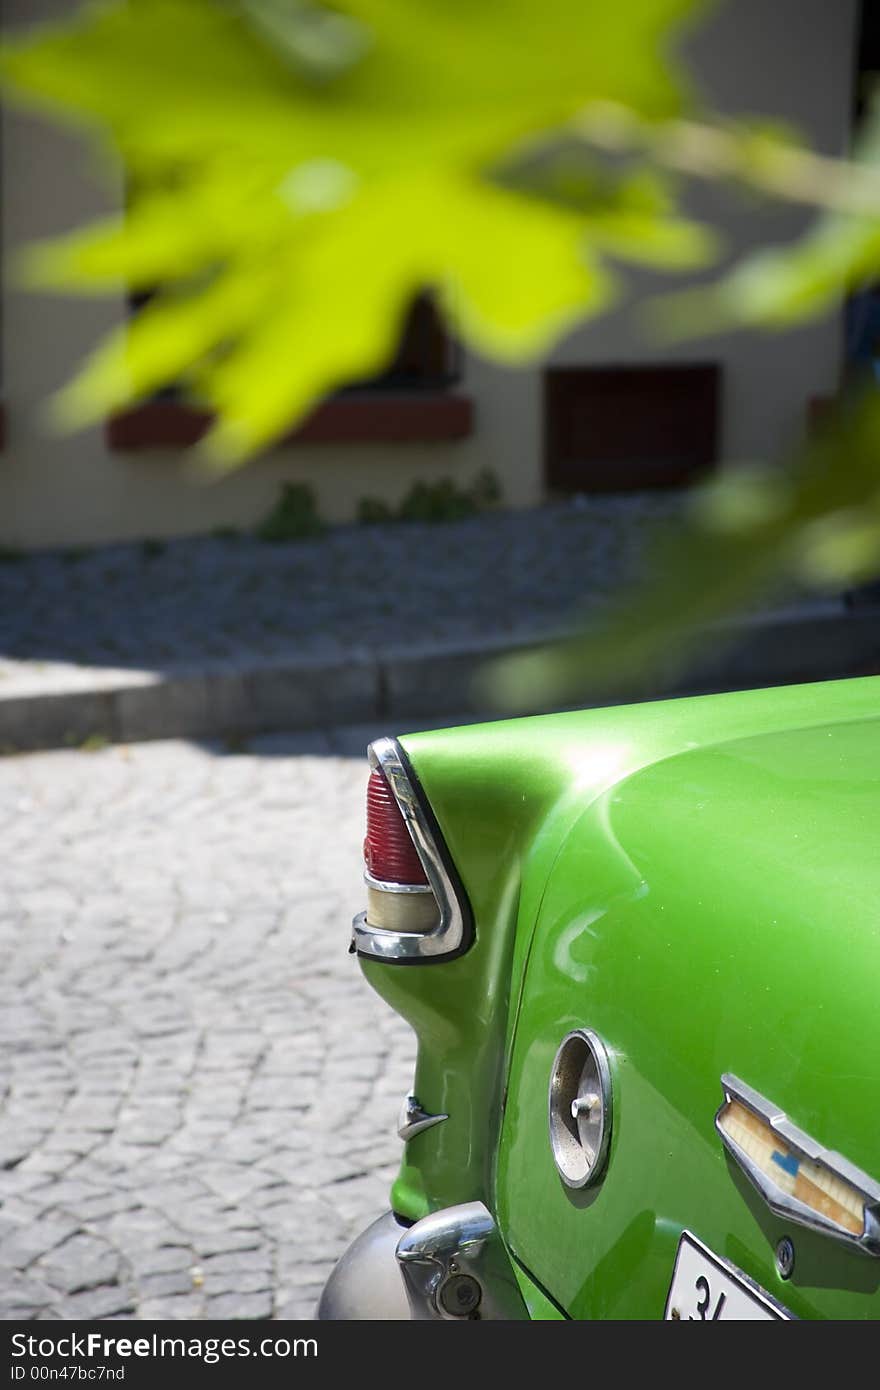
(615,429)
(409,402)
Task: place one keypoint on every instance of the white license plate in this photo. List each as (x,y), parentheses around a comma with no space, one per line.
(708,1289)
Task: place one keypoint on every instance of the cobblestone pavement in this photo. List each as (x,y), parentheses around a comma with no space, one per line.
(199,1092)
(188,604)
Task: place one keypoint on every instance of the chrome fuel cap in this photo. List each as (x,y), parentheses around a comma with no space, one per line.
(580,1108)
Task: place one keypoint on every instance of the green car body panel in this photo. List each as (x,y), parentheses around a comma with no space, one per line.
(697,882)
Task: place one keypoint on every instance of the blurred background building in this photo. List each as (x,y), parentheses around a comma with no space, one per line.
(608,411)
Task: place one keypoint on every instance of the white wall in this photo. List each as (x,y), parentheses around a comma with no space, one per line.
(791,58)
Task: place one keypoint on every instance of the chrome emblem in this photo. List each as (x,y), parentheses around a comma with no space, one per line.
(796,1177)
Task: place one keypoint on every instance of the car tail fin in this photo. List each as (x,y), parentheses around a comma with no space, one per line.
(416,909)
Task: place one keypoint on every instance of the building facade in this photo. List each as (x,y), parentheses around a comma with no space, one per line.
(608,408)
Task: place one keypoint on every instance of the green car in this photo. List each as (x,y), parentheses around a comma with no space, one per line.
(640,949)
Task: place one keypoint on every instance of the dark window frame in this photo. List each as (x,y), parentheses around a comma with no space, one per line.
(630,427)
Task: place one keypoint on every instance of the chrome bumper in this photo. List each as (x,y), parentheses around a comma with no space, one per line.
(451,1265)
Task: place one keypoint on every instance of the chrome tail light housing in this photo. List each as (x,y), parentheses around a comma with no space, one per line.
(417,911)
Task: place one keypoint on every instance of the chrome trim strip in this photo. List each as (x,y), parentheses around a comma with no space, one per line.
(455,1267)
(385,886)
(414,1119)
(449,936)
(782,1202)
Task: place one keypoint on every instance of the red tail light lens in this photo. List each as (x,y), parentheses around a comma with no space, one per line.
(389,853)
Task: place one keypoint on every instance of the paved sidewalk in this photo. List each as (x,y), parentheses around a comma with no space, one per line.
(182,604)
(229,636)
(198,1092)
(219,635)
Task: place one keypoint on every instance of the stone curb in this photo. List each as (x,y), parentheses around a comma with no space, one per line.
(405,685)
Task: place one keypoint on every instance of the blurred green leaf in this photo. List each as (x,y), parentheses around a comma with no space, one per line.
(297,172)
(309,169)
(749,531)
(784,286)
(632,212)
(316,40)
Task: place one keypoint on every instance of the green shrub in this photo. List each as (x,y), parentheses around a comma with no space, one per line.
(440,501)
(373,509)
(294,516)
(486,489)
